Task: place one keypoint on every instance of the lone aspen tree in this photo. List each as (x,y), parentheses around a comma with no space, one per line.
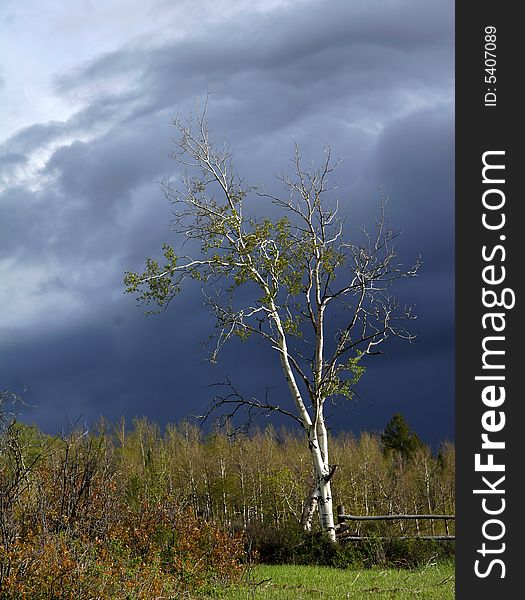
(321,301)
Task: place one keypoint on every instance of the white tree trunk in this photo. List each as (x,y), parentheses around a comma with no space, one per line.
(325,504)
(317,435)
(320,498)
(325,507)
(323,486)
(310,505)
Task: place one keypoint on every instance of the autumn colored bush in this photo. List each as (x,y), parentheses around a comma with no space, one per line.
(70,529)
(147,556)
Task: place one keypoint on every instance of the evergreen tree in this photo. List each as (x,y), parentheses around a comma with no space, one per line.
(398,437)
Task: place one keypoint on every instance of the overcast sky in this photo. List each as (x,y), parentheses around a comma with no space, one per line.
(88,92)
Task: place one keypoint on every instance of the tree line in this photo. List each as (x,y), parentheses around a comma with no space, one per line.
(136,509)
(265,477)
(262,477)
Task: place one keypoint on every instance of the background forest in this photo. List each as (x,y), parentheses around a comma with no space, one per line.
(133,511)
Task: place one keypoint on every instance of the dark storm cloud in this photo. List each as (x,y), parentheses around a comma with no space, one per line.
(79,370)
(266,71)
(29,138)
(102,173)
(16,229)
(414,161)
(372,79)
(285,45)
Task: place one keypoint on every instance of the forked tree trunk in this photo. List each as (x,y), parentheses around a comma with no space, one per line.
(320,498)
(321,495)
(310,505)
(316,431)
(323,475)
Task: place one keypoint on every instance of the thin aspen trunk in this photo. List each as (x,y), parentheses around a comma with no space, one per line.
(429,499)
(261,500)
(224,503)
(243,498)
(416,510)
(209,495)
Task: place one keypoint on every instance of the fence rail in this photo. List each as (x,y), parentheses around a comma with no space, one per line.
(342,518)
(344,537)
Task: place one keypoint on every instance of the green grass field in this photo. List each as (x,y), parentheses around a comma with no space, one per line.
(299,582)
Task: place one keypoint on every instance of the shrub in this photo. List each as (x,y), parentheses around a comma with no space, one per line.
(70,531)
(291,545)
(151,553)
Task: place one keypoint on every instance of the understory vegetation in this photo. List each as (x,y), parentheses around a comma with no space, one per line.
(134,512)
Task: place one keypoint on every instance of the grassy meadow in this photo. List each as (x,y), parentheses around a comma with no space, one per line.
(293,582)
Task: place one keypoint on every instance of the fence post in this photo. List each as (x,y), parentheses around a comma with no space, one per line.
(340,513)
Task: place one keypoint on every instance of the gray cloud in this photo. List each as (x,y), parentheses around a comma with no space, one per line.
(372,79)
(280,69)
(34,136)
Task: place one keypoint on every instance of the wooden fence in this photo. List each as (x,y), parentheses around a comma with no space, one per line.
(343,534)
